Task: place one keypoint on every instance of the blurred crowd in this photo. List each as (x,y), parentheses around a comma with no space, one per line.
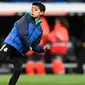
(58,39)
(64,49)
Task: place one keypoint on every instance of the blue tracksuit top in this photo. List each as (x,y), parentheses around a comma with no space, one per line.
(26,33)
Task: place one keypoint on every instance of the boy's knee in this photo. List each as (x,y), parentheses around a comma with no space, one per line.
(17,70)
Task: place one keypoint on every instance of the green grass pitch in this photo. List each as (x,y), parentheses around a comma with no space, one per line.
(46,79)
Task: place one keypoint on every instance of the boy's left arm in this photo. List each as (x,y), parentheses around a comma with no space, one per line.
(37,48)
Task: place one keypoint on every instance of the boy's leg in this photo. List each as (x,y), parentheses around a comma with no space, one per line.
(5,51)
(17,71)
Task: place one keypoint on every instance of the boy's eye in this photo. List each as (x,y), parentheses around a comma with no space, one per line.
(35,9)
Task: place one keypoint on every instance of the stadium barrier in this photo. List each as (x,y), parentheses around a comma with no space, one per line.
(67,65)
(51,8)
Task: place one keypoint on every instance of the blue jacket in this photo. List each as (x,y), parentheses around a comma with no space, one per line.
(25,33)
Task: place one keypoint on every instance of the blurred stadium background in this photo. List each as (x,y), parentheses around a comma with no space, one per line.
(64,30)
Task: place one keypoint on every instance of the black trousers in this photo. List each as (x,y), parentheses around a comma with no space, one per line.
(10,54)
(81,60)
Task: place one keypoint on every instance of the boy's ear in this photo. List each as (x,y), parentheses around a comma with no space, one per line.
(41,13)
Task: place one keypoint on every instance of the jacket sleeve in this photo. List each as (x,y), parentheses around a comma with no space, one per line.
(22,25)
(36,47)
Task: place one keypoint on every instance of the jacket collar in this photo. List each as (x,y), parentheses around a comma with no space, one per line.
(38,21)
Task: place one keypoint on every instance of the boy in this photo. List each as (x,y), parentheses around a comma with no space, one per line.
(25,35)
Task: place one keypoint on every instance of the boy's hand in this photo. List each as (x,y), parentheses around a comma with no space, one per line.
(46,47)
(30,48)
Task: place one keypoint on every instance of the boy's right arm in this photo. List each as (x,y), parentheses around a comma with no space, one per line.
(24,38)
(22,31)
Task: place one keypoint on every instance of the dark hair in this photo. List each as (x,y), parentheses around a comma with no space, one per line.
(63,21)
(40,5)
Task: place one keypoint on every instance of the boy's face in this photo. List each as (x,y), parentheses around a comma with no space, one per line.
(36,13)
